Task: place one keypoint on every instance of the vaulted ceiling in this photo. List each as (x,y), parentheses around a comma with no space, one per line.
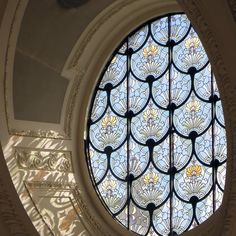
(45,53)
(47,35)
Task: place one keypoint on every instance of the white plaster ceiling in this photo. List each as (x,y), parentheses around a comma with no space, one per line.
(47,35)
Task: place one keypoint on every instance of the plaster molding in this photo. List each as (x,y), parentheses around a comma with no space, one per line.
(52,200)
(12,213)
(38,133)
(94,28)
(93,224)
(47,160)
(72,67)
(46,185)
(71,101)
(72,191)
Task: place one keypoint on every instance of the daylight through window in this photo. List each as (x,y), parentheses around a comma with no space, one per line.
(156,142)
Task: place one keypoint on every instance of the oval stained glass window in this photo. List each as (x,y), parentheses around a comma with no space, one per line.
(156,142)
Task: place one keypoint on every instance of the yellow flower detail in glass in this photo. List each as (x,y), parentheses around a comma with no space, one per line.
(150,51)
(194,170)
(193,121)
(110,133)
(193,56)
(150,178)
(151,64)
(153,99)
(192,43)
(109,186)
(112,72)
(151,128)
(110,190)
(150,115)
(193,106)
(108,122)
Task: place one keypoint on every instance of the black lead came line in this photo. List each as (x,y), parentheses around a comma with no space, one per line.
(213,142)
(128,133)
(170,126)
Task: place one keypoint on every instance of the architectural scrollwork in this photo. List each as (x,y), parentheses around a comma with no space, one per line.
(43,160)
(56,207)
(67,198)
(38,133)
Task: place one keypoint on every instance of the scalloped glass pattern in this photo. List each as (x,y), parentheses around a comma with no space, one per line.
(156,142)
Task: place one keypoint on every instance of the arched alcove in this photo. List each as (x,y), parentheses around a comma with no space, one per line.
(91,71)
(155,141)
(213,21)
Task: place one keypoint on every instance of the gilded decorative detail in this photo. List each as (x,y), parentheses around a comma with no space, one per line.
(86,213)
(57,207)
(43,160)
(56,192)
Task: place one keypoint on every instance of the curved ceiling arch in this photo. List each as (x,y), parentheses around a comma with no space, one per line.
(91,72)
(81,69)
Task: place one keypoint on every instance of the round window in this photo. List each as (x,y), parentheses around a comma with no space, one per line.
(156,142)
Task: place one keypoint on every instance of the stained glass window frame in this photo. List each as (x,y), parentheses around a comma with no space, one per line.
(150,142)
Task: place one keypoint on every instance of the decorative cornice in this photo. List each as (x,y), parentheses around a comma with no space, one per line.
(71,102)
(38,133)
(50,185)
(82,45)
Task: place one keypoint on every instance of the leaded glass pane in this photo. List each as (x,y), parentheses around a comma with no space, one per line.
(156,141)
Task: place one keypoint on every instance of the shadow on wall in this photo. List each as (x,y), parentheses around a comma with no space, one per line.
(71,3)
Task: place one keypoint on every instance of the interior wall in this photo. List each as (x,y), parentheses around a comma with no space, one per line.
(47,46)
